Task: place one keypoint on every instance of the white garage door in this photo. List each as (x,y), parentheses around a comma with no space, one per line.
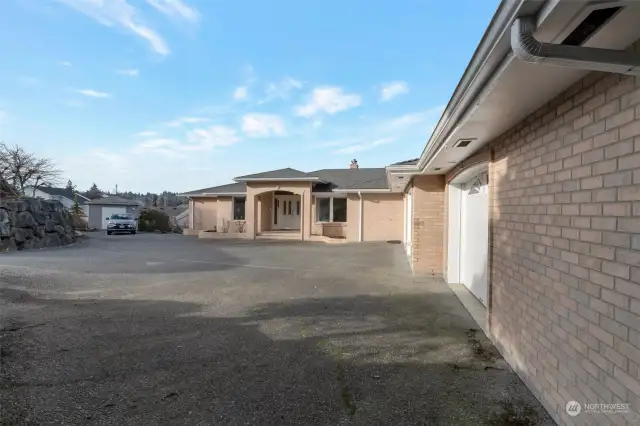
(475,236)
(108,211)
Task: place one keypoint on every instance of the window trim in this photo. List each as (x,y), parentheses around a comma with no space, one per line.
(331,198)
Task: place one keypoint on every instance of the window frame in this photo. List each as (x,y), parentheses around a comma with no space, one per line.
(331,198)
(233,208)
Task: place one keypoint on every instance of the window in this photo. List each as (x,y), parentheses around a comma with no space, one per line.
(238,208)
(331,209)
(275,216)
(339,210)
(298,208)
(289,208)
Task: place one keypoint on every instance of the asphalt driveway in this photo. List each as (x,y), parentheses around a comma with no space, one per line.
(166,329)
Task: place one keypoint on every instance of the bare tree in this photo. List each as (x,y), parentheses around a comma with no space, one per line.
(20,168)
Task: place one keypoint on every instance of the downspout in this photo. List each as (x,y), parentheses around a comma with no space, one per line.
(527,48)
(361,224)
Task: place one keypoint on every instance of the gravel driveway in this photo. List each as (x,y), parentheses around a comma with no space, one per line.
(166,329)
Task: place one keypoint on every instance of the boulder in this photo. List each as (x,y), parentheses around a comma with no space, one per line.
(50,225)
(52,240)
(32,223)
(38,243)
(67,239)
(25,245)
(39,232)
(8,244)
(18,234)
(25,220)
(40,216)
(16,205)
(5,229)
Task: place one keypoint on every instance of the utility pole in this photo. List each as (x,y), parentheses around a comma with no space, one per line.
(116,189)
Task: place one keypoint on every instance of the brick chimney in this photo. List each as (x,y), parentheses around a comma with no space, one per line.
(354,164)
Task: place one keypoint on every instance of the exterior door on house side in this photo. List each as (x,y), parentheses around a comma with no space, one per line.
(408,228)
(475,236)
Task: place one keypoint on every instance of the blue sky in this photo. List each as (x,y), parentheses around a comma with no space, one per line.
(183,94)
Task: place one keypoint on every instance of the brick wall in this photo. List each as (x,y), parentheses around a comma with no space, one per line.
(565,255)
(428,224)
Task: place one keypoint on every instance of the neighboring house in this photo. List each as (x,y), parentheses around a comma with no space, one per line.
(352,203)
(65,196)
(102,208)
(526,196)
(182,219)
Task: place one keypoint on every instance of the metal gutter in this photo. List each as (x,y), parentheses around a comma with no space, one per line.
(488,56)
(299,179)
(528,49)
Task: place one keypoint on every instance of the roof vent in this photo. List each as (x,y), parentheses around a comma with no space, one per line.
(591,24)
(436,168)
(463,143)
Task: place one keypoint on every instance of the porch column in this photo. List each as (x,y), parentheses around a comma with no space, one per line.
(250,213)
(191,213)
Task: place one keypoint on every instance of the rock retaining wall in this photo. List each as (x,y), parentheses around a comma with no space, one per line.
(30,223)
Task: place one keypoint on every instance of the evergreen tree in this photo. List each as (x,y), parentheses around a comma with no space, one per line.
(70,186)
(75,209)
(93,192)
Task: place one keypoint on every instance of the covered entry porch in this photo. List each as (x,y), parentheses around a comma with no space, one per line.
(279,210)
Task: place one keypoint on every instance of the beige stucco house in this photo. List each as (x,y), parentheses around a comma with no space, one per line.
(526,196)
(353,204)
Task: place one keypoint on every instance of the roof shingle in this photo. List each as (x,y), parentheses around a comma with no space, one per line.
(287,173)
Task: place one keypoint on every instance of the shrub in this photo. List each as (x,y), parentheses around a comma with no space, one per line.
(153,220)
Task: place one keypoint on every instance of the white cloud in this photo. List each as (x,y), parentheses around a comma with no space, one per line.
(129,72)
(393,89)
(280,89)
(241,93)
(407,120)
(262,125)
(164,147)
(329,100)
(198,140)
(364,146)
(119,13)
(186,120)
(208,139)
(146,133)
(176,9)
(94,93)
(65,63)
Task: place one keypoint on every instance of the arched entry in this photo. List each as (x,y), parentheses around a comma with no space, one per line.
(279,214)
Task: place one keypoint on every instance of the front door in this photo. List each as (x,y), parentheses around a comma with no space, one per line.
(287,212)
